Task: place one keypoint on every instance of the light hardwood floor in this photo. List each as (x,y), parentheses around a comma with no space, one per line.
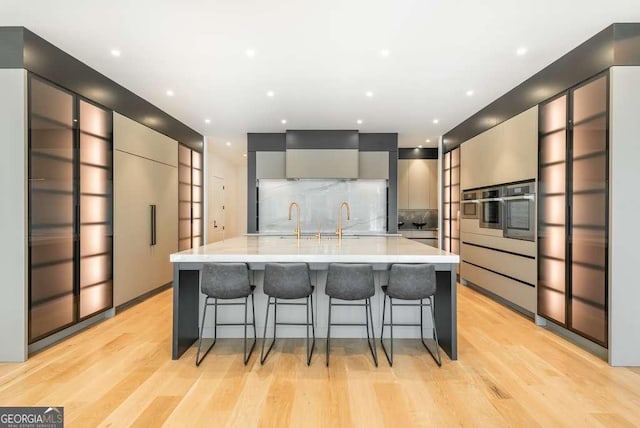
(509,373)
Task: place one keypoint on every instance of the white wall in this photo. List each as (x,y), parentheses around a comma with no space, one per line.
(624,206)
(13,215)
(235,182)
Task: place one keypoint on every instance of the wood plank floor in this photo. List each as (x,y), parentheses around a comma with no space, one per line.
(509,373)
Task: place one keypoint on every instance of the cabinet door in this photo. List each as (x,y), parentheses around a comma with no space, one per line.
(418,184)
(140,267)
(52,215)
(432,183)
(403,184)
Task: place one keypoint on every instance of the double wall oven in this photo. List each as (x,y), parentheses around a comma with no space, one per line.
(509,207)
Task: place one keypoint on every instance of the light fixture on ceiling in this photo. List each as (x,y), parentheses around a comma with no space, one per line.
(244,155)
(427,140)
(250,53)
(521,51)
(469,93)
(283,121)
(369,94)
(207,121)
(385,53)
(270,94)
(419,146)
(116,52)
(170,93)
(228,143)
(359,121)
(436,121)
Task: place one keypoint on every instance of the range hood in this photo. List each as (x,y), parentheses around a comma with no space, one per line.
(322,154)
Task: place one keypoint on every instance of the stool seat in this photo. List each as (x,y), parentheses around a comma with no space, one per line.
(350,281)
(287,280)
(226,280)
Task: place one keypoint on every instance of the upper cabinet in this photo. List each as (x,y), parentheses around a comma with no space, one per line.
(373,165)
(417,184)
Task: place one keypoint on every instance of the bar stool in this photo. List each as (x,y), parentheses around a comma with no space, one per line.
(351,282)
(226,281)
(287,281)
(410,282)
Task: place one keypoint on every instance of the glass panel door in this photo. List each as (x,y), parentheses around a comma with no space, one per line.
(552,213)
(588,233)
(52,234)
(96,225)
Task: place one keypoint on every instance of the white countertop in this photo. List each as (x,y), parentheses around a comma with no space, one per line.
(351,249)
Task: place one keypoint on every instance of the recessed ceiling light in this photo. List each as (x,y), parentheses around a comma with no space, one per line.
(228,143)
(359,121)
(384,53)
(207,121)
(419,146)
(244,155)
(369,94)
(250,53)
(427,140)
(283,121)
(436,120)
(170,93)
(469,93)
(270,93)
(115,52)
(521,51)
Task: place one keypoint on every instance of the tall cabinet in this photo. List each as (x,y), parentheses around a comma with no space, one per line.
(573,209)
(190,206)
(70,209)
(451,201)
(146,209)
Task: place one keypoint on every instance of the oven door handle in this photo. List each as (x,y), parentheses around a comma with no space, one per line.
(491,200)
(519,197)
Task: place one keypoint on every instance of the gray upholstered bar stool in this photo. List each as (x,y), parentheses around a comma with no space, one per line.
(351,282)
(226,281)
(410,282)
(287,281)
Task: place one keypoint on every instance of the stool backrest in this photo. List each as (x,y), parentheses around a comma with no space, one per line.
(287,280)
(350,281)
(412,282)
(225,280)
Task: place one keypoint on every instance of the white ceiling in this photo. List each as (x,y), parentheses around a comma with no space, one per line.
(319,57)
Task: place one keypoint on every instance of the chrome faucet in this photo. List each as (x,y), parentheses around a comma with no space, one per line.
(342,204)
(297,230)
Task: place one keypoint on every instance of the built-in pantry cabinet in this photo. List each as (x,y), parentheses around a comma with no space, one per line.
(146,208)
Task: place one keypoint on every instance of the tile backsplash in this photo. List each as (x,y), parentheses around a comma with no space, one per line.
(319,200)
(408,217)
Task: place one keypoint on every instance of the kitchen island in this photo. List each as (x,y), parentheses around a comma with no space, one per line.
(257,250)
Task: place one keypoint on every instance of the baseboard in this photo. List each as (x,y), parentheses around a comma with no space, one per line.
(68,332)
(509,304)
(577,340)
(142,297)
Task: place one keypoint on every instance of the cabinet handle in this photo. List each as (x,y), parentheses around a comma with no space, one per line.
(153,225)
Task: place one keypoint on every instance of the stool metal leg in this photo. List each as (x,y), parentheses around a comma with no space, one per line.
(313,329)
(384,348)
(253,345)
(329,334)
(372,343)
(435,356)
(204,314)
(263,356)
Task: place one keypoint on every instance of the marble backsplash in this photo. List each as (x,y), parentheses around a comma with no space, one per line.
(408,217)
(319,200)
